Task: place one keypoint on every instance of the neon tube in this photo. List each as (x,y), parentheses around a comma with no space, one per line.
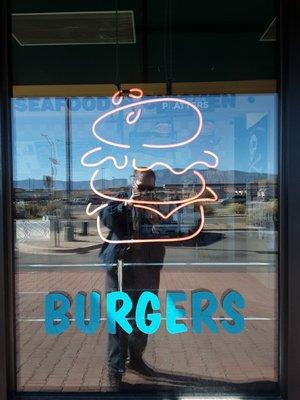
(131,94)
(179,239)
(189,202)
(163,164)
(103,159)
(150,101)
(131,118)
(97,209)
(136,90)
(117,98)
(147,201)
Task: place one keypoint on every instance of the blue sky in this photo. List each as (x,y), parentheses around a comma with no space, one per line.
(240,129)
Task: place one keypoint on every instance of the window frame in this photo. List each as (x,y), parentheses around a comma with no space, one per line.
(289,254)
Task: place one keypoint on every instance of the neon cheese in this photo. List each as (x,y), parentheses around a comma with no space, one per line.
(187,203)
(150,205)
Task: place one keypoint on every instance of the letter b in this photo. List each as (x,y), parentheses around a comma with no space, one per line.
(56,318)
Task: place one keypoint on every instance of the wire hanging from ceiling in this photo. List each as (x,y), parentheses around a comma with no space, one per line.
(117,67)
(117,81)
(168,47)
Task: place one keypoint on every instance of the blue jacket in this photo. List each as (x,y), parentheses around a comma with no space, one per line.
(117,217)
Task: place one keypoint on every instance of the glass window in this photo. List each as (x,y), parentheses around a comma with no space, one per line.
(146,215)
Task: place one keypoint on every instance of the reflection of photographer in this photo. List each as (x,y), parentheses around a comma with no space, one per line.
(145,261)
(145,223)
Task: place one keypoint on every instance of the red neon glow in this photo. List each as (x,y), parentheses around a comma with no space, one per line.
(136,93)
(161,240)
(187,203)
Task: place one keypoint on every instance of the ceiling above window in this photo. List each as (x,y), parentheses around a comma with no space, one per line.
(71,28)
(67,42)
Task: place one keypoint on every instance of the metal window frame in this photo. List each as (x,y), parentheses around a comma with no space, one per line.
(7,329)
(289,272)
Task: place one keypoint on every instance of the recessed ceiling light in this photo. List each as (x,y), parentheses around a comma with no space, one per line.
(73,28)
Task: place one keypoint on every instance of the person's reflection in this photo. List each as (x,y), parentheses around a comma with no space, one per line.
(127,222)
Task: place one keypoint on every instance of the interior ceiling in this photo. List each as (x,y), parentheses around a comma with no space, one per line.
(70,28)
(211,41)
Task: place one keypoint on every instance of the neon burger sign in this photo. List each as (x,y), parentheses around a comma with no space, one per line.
(134,112)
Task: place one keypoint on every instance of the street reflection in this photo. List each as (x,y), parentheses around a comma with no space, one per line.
(200,215)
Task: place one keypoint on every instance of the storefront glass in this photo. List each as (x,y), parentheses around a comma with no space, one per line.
(167,190)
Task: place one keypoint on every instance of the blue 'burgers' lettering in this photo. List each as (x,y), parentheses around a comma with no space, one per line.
(60,312)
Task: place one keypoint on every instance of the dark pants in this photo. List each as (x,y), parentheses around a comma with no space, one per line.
(136,279)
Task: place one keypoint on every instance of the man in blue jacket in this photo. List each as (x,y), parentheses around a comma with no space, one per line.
(145,261)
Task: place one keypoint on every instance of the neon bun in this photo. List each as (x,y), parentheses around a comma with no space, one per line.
(134,115)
